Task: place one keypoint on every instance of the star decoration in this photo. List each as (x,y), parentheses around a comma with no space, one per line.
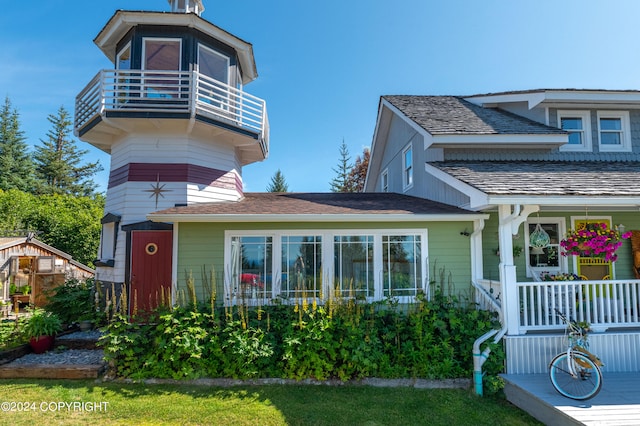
(157,190)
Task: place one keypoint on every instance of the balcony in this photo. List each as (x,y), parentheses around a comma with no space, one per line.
(113,95)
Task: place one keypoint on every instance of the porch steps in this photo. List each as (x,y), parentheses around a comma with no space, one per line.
(524,397)
(618,403)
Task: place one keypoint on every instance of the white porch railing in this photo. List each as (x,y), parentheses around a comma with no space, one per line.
(488,295)
(130,91)
(602,303)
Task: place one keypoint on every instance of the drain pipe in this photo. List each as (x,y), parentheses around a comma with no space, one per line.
(479,358)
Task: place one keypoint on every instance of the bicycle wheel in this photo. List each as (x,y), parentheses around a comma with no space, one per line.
(587,380)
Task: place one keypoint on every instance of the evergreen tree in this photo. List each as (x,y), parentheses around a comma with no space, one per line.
(341,182)
(278,183)
(358,173)
(59,162)
(16,165)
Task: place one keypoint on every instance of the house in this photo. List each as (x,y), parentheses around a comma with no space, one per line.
(535,160)
(29,268)
(179,126)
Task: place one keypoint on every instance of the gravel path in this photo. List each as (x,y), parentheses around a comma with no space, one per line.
(70,356)
(82,335)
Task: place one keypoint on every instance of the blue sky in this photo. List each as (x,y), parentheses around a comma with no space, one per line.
(324,65)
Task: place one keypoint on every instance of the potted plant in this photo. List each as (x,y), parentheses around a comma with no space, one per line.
(40,328)
(594,240)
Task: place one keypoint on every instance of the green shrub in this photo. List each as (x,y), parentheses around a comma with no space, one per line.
(73,301)
(429,339)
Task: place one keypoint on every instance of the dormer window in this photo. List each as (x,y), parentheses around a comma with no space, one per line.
(614,133)
(578,125)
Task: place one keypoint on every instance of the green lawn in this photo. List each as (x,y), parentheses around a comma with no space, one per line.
(126,404)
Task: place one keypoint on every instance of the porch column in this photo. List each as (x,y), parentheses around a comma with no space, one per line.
(507,268)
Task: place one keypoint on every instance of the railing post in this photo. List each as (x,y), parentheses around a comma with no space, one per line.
(103,98)
(193,96)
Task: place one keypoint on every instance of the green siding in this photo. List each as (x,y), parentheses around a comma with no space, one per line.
(623,266)
(201,245)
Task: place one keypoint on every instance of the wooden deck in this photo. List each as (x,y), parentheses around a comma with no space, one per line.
(618,403)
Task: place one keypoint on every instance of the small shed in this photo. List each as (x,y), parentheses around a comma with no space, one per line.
(29,268)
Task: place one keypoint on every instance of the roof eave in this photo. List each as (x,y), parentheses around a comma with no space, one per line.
(301,218)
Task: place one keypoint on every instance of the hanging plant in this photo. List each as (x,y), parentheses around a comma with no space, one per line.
(594,240)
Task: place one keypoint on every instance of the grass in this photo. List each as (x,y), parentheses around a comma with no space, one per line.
(142,404)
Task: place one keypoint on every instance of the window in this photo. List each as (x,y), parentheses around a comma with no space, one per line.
(578,125)
(384,181)
(162,55)
(123,60)
(251,267)
(407,167)
(613,131)
(215,67)
(301,266)
(361,264)
(547,259)
(402,265)
(108,239)
(353,266)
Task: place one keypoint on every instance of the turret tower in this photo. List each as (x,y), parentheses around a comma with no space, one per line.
(175,118)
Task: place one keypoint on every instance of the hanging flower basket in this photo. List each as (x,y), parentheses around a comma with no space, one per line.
(594,240)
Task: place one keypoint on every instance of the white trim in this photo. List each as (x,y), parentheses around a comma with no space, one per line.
(477,198)
(328,255)
(303,218)
(625,130)
(583,115)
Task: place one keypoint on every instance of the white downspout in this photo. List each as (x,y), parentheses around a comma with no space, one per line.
(479,358)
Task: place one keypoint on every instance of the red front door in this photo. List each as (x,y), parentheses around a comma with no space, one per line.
(151,256)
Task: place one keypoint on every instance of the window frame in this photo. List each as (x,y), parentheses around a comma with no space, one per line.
(327,265)
(625,131)
(125,48)
(563,265)
(384,180)
(585,116)
(407,169)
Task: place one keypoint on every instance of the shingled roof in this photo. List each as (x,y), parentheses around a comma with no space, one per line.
(551,178)
(314,204)
(452,115)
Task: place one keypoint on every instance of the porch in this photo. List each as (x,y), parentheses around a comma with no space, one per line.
(535,333)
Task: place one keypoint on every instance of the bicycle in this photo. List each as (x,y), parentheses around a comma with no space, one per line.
(575,373)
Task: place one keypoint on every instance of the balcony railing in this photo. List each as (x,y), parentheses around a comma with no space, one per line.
(171,92)
(602,303)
